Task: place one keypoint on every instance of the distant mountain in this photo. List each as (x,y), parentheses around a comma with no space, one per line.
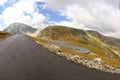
(93,41)
(115,42)
(19,28)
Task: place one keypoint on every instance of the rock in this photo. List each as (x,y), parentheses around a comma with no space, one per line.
(54,48)
(97,60)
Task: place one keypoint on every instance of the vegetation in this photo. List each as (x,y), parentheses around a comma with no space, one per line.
(56,32)
(109,61)
(115,42)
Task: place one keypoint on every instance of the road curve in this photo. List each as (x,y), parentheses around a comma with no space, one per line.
(23,59)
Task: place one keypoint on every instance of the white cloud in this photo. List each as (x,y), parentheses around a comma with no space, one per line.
(64,23)
(100,15)
(2,2)
(79,16)
(38,19)
(23,11)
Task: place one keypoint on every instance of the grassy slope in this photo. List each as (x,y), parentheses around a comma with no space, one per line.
(106,39)
(57,32)
(78,37)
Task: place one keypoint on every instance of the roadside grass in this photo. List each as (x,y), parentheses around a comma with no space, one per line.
(113,62)
(3,35)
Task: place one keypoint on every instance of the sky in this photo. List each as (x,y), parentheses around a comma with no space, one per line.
(99,15)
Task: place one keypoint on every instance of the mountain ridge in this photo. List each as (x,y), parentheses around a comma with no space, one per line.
(115,42)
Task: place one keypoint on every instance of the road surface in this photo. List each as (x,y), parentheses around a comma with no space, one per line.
(23,59)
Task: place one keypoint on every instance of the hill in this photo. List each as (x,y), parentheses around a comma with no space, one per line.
(115,42)
(19,28)
(64,33)
(81,38)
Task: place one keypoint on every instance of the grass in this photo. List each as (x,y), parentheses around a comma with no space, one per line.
(109,61)
(92,47)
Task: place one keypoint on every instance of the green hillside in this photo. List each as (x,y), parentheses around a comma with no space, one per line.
(79,37)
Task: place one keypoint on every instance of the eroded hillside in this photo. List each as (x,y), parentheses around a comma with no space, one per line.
(3,35)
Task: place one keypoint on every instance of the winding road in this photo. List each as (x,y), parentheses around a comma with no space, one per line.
(23,59)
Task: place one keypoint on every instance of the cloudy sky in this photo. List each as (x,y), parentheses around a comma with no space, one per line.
(100,15)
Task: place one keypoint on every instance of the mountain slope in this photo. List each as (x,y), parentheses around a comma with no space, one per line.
(19,28)
(79,37)
(115,42)
(62,32)
(55,31)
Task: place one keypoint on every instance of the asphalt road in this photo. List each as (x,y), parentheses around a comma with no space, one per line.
(23,59)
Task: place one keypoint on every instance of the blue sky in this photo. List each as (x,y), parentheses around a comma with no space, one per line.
(6,4)
(100,15)
(50,15)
